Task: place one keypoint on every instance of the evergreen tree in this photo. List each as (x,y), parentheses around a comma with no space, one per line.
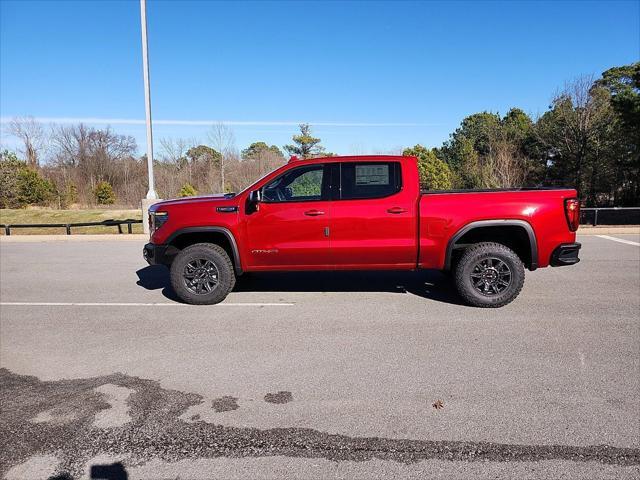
(305,146)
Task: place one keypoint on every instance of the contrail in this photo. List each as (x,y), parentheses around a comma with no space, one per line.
(135,121)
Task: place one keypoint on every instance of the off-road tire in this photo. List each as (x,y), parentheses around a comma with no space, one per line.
(475,255)
(211,253)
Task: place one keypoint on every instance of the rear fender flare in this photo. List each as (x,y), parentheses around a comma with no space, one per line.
(494,223)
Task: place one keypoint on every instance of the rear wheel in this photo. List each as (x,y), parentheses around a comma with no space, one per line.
(489,275)
(202,274)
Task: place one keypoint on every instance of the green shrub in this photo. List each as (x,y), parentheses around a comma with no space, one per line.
(33,189)
(104,194)
(10,167)
(187,190)
(434,173)
(71,194)
(21,185)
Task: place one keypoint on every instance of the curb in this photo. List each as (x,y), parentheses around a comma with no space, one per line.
(125,237)
(633,230)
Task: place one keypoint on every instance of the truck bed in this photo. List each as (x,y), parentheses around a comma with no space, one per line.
(490,190)
(444,213)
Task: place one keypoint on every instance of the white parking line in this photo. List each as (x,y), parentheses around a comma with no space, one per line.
(628,242)
(115,304)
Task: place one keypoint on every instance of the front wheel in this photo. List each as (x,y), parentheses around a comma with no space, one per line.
(489,275)
(202,274)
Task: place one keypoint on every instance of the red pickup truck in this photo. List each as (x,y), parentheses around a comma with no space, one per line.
(363,213)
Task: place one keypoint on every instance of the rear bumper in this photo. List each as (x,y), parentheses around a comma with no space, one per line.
(565,254)
(155,254)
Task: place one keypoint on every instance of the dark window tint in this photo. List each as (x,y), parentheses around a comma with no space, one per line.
(297,185)
(369,180)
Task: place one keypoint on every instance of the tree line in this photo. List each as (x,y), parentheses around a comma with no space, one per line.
(589,139)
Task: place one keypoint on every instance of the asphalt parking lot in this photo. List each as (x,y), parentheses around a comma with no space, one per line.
(309,375)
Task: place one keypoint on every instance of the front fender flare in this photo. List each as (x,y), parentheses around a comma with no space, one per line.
(237,266)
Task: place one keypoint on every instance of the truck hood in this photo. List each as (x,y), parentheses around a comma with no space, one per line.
(192,200)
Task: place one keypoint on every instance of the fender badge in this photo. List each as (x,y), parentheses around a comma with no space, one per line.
(227,209)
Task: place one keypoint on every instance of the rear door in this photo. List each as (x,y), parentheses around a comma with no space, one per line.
(373,217)
(290,229)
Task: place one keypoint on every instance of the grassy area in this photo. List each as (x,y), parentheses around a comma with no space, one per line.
(44,215)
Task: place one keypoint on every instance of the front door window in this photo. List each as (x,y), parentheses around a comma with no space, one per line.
(304,184)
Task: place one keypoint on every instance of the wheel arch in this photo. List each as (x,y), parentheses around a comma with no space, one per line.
(519,236)
(217,235)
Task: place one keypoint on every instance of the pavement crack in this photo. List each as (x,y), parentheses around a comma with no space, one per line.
(154,430)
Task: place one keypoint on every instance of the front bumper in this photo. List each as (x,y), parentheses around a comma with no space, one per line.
(156,254)
(565,254)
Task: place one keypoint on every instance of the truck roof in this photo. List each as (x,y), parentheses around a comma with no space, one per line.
(353,158)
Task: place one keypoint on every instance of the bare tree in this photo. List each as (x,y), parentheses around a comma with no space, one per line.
(173,150)
(87,156)
(174,169)
(389,151)
(32,135)
(223,140)
(575,132)
(504,167)
(255,163)
(70,143)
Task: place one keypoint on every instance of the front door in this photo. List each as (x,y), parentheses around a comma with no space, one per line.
(290,229)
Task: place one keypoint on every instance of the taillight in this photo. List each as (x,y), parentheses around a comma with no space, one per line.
(572,212)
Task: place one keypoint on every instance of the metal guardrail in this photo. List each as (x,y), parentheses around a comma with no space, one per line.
(105,223)
(610,216)
(588,216)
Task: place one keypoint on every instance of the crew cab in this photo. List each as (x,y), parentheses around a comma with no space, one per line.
(363,213)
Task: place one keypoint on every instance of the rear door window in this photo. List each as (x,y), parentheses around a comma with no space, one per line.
(369,180)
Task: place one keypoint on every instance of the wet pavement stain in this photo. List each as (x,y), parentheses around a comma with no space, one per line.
(156,431)
(225,404)
(280,397)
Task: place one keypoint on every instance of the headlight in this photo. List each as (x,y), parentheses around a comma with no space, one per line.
(156,220)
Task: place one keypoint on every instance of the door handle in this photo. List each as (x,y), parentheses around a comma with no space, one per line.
(397,210)
(314,213)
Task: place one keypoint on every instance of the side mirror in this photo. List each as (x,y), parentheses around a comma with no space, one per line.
(255,196)
(253,200)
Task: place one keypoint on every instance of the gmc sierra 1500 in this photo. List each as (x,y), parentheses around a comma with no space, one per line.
(363,213)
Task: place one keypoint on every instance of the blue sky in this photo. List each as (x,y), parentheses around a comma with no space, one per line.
(371,76)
